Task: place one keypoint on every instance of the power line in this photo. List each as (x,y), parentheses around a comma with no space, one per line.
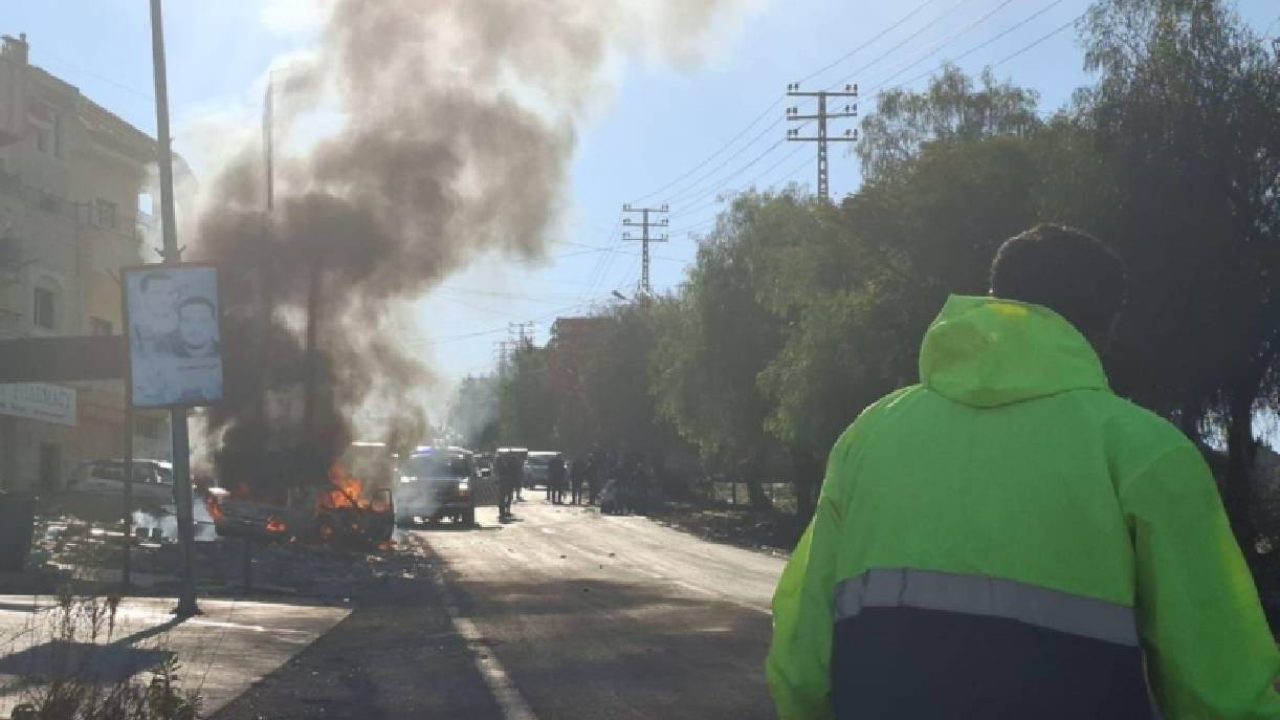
(982,45)
(715,190)
(604,262)
(950,39)
(1040,40)
(493,331)
(795,171)
(795,151)
(73,67)
(860,71)
(763,114)
(866,44)
(684,192)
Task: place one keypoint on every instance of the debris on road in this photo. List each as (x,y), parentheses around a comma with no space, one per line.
(89,554)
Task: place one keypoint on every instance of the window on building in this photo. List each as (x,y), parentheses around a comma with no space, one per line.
(98,326)
(106,213)
(10,253)
(44,314)
(57,135)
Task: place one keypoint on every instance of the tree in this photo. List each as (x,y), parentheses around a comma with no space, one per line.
(474,413)
(526,407)
(713,342)
(1185,115)
(952,108)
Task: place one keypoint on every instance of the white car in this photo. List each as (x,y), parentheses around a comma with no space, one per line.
(152,481)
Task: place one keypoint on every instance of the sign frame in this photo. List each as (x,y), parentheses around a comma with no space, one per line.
(219,312)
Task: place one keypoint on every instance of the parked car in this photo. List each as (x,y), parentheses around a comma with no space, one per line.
(484,464)
(537,466)
(437,483)
(100,482)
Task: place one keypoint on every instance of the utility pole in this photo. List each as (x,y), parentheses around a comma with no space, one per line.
(172,256)
(646,289)
(266,292)
(823,116)
(521,334)
(501,352)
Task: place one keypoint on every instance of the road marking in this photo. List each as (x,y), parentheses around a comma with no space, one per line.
(504,691)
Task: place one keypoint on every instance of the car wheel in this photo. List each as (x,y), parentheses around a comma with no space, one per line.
(469,517)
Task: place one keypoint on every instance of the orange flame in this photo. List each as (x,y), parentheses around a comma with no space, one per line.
(275,525)
(214,508)
(347,492)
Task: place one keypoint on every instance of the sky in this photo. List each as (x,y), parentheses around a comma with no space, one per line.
(681,135)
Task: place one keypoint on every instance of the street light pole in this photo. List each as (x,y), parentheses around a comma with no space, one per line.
(172,256)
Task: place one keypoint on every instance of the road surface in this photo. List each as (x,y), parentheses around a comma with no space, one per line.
(562,615)
(591,616)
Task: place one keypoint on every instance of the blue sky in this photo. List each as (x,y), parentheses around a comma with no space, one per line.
(659,126)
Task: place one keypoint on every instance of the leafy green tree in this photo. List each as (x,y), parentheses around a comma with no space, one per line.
(712,344)
(953,108)
(526,403)
(1185,117)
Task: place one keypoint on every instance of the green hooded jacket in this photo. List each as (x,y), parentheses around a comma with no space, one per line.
(1013,461)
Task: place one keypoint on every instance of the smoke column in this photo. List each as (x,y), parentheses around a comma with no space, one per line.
(455,128)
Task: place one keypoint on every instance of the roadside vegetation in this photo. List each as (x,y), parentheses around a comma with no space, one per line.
(72,668)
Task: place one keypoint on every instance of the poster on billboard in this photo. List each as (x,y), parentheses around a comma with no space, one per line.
(175,340)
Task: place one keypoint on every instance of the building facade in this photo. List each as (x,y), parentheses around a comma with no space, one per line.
(72,191)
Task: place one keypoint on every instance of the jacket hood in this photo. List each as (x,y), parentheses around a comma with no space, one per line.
(988,352)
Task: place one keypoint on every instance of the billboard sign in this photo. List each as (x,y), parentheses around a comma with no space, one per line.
(39,401)
(173,317)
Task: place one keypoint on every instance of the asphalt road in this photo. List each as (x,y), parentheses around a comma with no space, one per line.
(590,616)
(561,615)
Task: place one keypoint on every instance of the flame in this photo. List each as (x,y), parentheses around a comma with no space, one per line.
(347,492)
(275,525)
(215,509)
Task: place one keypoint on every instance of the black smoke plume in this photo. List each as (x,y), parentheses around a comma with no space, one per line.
(456,127)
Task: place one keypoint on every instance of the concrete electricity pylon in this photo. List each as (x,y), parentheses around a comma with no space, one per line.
(822,116)
(646,288)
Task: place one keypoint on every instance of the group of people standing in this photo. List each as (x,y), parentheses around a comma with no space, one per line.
(617,484)
(580,478)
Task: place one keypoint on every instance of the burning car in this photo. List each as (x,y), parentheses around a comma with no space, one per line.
(339,513)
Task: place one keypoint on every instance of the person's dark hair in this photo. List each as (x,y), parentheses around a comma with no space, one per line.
(198,301)
(1066,270)
(149,278)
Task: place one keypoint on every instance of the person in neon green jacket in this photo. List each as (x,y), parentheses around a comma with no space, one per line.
(1009,539)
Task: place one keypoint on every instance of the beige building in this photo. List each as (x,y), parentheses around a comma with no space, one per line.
(72,200)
